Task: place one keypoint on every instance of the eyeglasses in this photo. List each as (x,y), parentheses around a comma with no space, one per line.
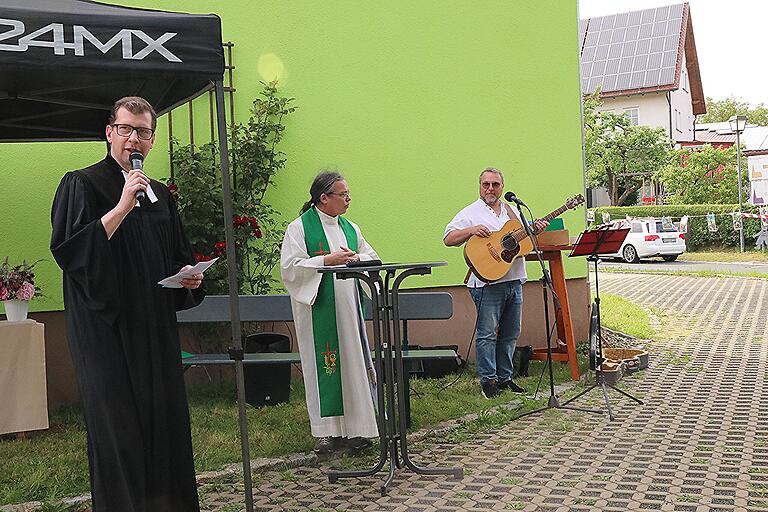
(125,130)
(491,184)
(344,195)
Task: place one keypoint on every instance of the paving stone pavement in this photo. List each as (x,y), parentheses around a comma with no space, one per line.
(699,443)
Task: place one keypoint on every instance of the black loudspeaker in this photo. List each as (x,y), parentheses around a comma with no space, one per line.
(439,367)
(267,384)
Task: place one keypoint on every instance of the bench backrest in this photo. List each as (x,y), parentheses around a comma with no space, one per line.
(277,308)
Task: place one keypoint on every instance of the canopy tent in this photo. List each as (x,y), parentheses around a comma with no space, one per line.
(63,63)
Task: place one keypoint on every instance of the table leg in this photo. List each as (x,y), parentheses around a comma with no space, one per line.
(400,371)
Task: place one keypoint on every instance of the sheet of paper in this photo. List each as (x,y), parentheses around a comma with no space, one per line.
(174,281)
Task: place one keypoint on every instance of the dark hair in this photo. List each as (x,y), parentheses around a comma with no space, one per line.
(134,105)
(322,184)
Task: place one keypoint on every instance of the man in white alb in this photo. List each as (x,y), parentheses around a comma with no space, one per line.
(499,304)
(335,357)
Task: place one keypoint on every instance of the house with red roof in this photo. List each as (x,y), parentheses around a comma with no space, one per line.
(645,65)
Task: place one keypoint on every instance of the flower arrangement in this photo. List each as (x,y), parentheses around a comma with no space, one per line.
(17,282)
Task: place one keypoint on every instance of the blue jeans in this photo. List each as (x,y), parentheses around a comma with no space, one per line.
(499,308)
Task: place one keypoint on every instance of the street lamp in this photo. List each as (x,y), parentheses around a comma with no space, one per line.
(738,123)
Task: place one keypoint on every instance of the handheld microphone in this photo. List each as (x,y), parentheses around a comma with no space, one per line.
(512,198)
(137,162)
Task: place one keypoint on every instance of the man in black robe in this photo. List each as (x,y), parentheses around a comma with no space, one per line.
(121,325)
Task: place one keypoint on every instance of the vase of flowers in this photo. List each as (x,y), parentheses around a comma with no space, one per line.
(17,287)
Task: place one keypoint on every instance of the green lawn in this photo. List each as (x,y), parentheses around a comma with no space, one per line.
(692,273)
(725,254)
(621,315)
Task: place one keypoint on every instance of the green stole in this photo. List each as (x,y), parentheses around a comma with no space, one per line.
(327,356)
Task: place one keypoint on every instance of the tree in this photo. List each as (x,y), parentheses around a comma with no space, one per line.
(722,110)
(619,155)
(701,176)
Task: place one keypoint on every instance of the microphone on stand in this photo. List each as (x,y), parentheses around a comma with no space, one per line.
(137,162)
(512,198)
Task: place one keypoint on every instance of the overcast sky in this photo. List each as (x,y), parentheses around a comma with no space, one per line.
(730,42)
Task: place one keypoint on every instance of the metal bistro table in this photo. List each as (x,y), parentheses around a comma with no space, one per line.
(390,368)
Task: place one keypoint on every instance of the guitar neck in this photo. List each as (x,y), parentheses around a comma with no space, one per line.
(521,234)
(555,213)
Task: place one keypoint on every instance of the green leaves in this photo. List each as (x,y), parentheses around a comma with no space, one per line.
(255,159)
(708,175)
(722,110)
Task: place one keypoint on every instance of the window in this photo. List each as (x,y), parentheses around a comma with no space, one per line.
(661,229)
(678,121)
(633,114)
(637,227)
(684,81)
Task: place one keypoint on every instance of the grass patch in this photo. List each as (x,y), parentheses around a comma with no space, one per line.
(689,273)
(724,254)
(621,315)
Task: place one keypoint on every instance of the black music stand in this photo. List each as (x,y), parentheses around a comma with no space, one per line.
(546,286)
(591,244)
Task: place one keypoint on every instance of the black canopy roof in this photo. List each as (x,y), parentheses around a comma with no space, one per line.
(63,63)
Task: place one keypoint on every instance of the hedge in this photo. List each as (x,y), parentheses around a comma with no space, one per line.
(698,235)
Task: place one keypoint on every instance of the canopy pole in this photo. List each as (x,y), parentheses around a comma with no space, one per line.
(236,352)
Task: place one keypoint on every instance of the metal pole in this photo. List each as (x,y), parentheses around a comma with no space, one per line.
(738,169)
(234,291)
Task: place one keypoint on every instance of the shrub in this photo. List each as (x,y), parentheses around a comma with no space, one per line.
(698,235)
(257,226)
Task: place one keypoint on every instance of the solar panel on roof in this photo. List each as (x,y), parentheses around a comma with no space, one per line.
(669,59)
(632,49)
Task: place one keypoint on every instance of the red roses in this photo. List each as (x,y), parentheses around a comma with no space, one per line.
(249,222)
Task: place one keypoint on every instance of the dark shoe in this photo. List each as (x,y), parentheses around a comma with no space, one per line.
(325,445)
(510,385)
(490,389)
(358,443)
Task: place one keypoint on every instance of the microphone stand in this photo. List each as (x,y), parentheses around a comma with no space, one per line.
(546,285)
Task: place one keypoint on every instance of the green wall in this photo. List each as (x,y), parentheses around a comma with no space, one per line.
(410,100)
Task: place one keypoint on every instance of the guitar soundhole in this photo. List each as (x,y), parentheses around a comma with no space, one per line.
(510,244)
(511,248)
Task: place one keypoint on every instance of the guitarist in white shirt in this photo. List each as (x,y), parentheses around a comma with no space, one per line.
(499,304)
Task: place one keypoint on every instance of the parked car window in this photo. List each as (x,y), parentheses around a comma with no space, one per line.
(637,227)
(661,229)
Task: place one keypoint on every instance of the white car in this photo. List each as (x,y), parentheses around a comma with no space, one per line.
(648,238)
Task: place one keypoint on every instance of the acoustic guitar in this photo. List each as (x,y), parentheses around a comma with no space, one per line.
(490,258)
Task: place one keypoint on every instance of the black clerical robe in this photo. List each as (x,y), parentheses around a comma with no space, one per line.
(121,327)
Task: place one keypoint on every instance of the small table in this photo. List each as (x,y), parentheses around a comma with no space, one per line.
(24,406)
(553,254)
(389,366)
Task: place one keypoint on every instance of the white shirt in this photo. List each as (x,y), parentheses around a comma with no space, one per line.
(480,213)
